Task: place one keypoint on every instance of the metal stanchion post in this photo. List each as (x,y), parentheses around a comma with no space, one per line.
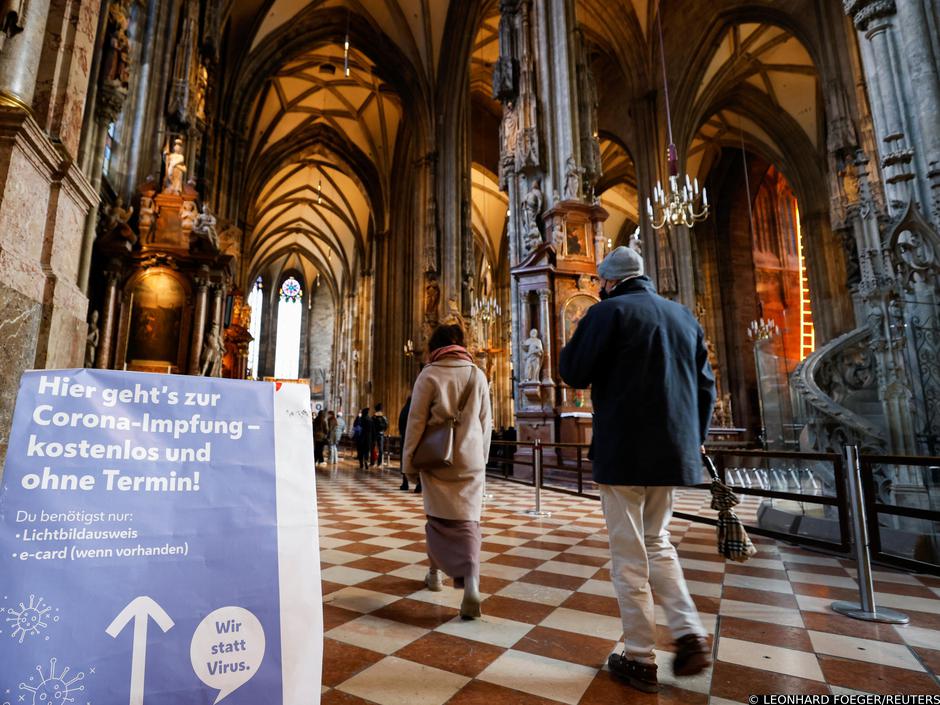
(865,608)
(537,472)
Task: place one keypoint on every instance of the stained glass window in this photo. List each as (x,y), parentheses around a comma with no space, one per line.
(256,302)
(289,318)
(291,290)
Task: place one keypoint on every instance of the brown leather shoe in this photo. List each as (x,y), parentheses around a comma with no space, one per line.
(641,676)
(693,655)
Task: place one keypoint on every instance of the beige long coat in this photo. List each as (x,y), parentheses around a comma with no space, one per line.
(455,492)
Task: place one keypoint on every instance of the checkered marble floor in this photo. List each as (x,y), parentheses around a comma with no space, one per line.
(551,619)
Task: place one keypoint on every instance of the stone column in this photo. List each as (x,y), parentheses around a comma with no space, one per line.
(925,98)
(874,20)
(106,344)
(110,103)
(218,304)
(19,60)
(545,313)
(199,324)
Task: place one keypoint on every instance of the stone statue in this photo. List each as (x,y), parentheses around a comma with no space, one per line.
(91,340)
(634,243)
(558,237)
(115,64)
(212,350)
(117,214)
(534,350)
(432,298)
(146,216)
(454,316)
(533,238)
(188,215)
(175,168)
(204,228)
(573,176)
(915,252)
(533,204)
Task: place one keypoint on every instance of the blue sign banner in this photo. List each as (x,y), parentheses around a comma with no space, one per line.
(143,522)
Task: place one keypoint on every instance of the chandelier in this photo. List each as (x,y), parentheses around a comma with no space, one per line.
(761,330)
(485,311)
(684,203)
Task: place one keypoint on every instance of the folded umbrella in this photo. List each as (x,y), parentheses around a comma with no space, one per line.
(733,541)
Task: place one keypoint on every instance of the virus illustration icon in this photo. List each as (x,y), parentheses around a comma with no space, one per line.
(54,689)
(30,619)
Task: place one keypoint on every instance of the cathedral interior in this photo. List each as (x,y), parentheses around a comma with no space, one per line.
(303,189)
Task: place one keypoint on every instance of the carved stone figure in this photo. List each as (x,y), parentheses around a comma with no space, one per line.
(91,340)
(116,214)
(432,298)
(534,351)
(533,204)
(212,350)
(204,228)
(453,314)
(558,237)
(175,169)
(510,128)
(146,217)
(573,177)
(634,243)
(188,215)
(532,240)
(115,64)
(915,252)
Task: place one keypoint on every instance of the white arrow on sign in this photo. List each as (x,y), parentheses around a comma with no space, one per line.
(141,610)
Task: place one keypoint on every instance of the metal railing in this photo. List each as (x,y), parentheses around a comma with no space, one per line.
(907,529)
(798,498)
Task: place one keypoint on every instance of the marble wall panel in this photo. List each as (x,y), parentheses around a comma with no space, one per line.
(64,69)
(24,200)
(19,329)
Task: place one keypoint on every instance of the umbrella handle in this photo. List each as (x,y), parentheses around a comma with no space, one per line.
(710,466)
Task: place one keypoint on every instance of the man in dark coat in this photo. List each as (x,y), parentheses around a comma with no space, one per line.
(644,358)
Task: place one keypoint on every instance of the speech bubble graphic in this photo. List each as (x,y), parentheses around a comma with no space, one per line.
(227,648)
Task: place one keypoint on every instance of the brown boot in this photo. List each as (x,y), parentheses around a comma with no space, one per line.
(693,655)
(641,676)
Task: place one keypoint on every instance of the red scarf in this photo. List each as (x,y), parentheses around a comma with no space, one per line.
(457,351)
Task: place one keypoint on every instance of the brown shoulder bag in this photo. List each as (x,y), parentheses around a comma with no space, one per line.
(436,447)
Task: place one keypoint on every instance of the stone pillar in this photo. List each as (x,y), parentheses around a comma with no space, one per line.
(110,103)
(19,60)
(106,344)
(878,38)
(199,324)
(545,312)
(685,274)
(922,66)
(218,303)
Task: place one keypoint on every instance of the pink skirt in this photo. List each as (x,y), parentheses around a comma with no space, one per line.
(454,546)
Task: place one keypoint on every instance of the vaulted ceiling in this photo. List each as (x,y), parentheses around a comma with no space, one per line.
(323,203)
(416,26)
(315,203)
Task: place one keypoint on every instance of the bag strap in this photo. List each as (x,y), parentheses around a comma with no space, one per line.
(465,395)
(710,466)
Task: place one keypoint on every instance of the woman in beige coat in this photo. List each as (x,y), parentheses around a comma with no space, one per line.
(453,496)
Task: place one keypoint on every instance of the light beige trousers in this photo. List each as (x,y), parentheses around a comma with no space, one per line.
(642,557)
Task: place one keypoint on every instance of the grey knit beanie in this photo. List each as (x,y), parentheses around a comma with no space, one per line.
(621,263)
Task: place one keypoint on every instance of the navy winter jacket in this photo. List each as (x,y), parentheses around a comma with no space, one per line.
(644,358)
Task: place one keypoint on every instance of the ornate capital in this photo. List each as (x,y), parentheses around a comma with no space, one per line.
(110,103)
(545,295)
(863,12)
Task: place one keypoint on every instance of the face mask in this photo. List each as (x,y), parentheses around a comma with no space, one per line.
(603,294)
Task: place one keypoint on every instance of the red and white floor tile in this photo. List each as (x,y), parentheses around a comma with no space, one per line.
(551,619)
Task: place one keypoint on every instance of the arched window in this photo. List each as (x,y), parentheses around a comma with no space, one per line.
(289,315)
(256,302)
